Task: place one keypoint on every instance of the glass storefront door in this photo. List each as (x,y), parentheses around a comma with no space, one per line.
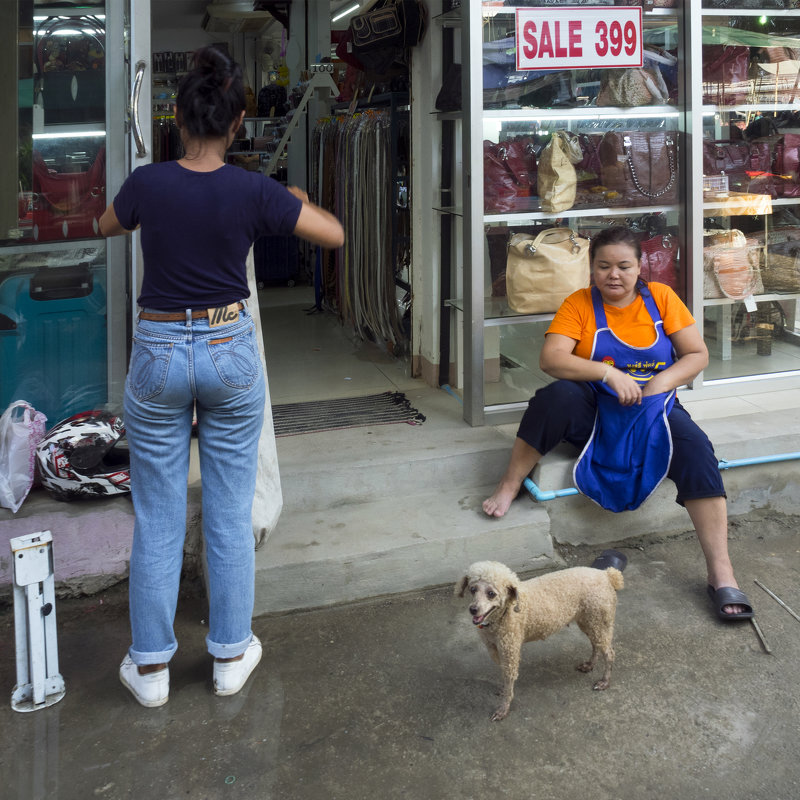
(63,287)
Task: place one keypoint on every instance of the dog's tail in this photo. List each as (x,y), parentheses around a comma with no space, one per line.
(615,578)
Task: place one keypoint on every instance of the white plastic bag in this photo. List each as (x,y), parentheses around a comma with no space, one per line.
(21,430)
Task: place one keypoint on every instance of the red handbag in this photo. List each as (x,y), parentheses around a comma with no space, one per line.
(725,73)
(68,205)
(499,182)
(660,260)
(786,165)
(521,158)
(509,175)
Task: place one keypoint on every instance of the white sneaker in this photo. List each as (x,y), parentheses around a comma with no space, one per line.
(230,676)
(150,690)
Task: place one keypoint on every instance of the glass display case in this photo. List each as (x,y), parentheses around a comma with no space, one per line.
(749,94)
(677,120)
(554,155)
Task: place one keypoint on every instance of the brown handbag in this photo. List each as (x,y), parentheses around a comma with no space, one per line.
(641,166)
(726,71)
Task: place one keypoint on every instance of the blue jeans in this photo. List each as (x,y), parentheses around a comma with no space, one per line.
(175,367)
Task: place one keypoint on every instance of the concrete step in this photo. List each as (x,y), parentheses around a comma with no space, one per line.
(396,543)
(336,468)
(578,521)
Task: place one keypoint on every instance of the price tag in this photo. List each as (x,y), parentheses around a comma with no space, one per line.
(579,38)
(325,67)
(750,304)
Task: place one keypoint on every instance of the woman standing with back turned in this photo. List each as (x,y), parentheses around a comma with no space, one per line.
(194,347)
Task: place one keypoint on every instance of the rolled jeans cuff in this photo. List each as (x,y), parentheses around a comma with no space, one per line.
(228,650)
(144,659)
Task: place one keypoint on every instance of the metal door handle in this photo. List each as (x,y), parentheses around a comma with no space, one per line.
(141,150)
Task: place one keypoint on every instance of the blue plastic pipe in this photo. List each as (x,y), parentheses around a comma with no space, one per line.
(541,495)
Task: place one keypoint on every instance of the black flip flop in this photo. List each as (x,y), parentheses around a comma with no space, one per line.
(729,596)
(610,558)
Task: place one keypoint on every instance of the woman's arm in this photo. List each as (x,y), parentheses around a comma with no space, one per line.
(692,359)
(109,224)
(315,224)
(558,360)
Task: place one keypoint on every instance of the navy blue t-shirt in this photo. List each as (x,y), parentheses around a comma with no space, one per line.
(197,228)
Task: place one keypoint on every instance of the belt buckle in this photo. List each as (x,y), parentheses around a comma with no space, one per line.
(223,315)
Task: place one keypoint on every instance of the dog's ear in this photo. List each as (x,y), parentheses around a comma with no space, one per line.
(513,596)
(461,586)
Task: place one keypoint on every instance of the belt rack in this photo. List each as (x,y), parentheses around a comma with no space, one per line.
(39,683)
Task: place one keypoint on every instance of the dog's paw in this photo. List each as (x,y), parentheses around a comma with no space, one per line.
(500,713)
(586,666)
(601,685)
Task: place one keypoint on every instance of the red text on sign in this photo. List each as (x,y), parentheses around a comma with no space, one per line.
(555,44)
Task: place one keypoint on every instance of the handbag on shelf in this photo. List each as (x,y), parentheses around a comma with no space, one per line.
(660,260)
(588,168)
(499,182)
(640,166)
(68,205)
(557,177)
(726,74)
(636,86)
(787,164)
(782,267)
(521,159)
(737,160)
(731,265)
(542,271)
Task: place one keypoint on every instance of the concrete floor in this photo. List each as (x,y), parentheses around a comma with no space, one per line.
(392,699)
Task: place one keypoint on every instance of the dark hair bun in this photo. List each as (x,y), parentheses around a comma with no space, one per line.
(210,97)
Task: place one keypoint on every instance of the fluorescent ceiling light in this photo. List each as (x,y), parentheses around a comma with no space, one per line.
(346,12)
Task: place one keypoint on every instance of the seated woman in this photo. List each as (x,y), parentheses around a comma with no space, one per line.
(594,333)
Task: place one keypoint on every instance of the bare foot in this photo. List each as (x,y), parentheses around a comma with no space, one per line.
(500,501)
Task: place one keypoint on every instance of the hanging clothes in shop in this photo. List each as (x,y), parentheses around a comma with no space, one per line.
(353,179)
(167,144)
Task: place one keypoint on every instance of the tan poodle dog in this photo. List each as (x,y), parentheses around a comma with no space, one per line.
(509,612)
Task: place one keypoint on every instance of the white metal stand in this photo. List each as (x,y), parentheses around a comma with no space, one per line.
(38,682)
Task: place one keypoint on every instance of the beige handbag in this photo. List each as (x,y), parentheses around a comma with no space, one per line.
(542,272)
(633,87)
(557,178)
(731,265)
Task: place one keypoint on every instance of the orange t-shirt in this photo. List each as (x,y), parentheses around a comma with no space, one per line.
(632,324)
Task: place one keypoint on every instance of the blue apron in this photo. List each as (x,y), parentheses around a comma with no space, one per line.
(629,451)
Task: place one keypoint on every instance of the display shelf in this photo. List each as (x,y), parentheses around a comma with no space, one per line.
(749,108)
(496,312)
(527,114)
(749,12)
(737,204)
(759,298)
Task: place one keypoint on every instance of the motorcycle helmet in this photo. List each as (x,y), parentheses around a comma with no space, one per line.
(83,456)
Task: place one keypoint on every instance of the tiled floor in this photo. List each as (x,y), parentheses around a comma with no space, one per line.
(311,356)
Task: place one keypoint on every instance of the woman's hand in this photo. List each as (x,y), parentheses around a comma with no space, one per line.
(298,193)
(628,390)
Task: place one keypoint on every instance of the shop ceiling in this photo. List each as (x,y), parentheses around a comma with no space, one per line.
(180,13)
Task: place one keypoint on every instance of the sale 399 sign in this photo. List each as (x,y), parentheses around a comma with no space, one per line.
(582,37)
